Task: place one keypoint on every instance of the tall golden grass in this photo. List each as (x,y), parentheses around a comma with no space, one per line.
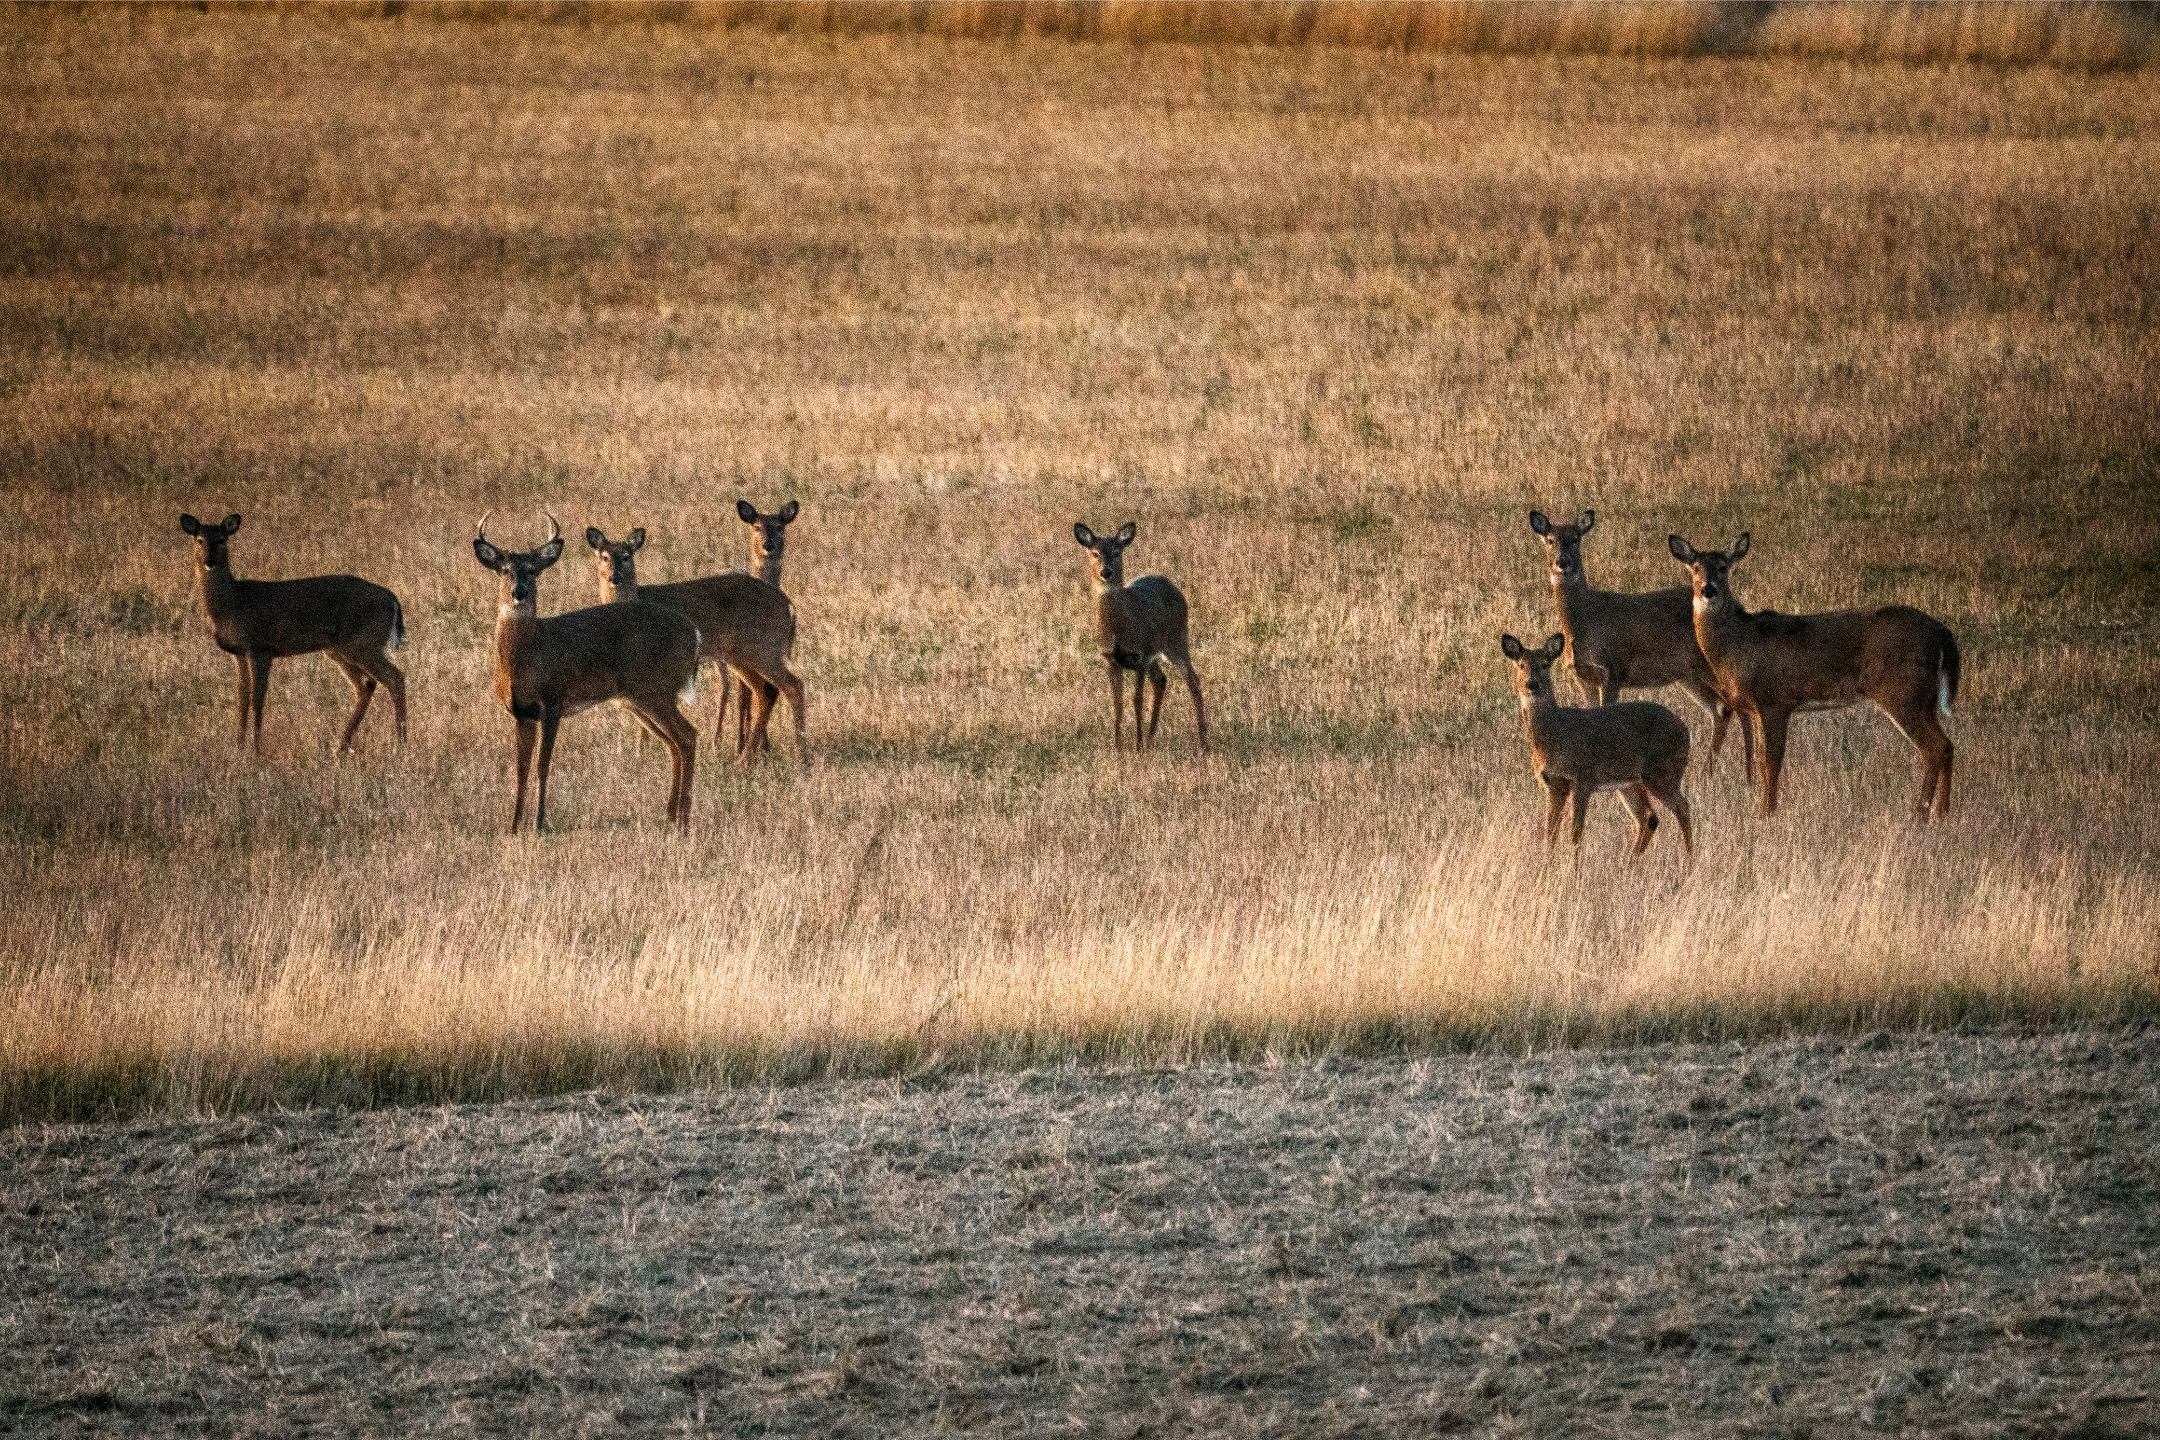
(2072,34)
(1325,322)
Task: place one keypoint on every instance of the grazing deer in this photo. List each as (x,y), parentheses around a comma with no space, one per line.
(1618,640)
(643,655)
(357,623)
(1771,666)
(748,628)
(1636,747)
(768,546)
(1140,625)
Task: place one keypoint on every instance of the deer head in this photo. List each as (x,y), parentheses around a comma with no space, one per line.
(210,539)
(1533,668)
(520,570)
(1106,553)
(616,560)
(1563,543)
(1710,571)
(768,533)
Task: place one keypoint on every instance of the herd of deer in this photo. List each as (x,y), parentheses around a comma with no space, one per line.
(643,645)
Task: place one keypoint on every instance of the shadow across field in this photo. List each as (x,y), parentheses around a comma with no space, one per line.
(1948,1234)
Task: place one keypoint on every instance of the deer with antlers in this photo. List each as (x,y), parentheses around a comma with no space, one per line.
(355,622)
(1618,640)
(748,629)
(644,656)
(1770,667)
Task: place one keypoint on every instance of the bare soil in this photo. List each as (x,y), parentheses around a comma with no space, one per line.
(1943,1235)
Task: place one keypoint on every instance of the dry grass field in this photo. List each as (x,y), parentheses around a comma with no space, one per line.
(1949,1236)
(1325,322)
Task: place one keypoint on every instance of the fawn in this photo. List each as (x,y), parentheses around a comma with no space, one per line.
(1140,625)
(1634,746)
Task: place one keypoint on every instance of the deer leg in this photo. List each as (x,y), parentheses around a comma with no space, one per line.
(790,684)
(1637,800)
(261,673)
(1117,707)
(527,733)
(1774,724)
(384,669)
(1667,789)
(1925,730)
(363,685)
(1199,705)
(246,693)
(727,686)
(1581,795)
(1158,681)
(681,736)
(1590,680)
(1139,692)
(549,719)
(1556,798)
(772,707)
(758,695)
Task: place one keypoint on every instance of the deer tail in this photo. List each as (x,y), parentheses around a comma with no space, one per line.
(688,694)
(397,624)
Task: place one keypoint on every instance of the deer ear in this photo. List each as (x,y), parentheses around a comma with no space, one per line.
(746,512)
(1589,518)
(231,525)
(1126,532)
(594,538)
(1539,523)
(1084,535)
(1554,644)
(788,512)
(549,553)
(1511,647)
(1681,550)
(189,525)
(487,554)
(637,538)
(1739,549)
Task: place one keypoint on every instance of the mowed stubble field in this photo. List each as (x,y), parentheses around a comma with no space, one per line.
(1324,323)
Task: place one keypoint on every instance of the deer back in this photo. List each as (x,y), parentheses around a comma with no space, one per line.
(742,619)
(295,617)
(1649,637)
(1830,658)
(1141,620)
(1607,744)
(568,662)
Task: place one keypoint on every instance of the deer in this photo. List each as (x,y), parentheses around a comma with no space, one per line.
(768,547)
(1140,625)
(1637,747)
(1770,666)
(356,622)
(747,625)
(643,656)
(1619,640)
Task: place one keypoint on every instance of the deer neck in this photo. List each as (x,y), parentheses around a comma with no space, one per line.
(218,591)
(1572,592)
(1538,713)
(766,568)
(614,590)
(1717,625)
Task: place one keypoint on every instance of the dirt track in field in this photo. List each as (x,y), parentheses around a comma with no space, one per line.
(1940,1235)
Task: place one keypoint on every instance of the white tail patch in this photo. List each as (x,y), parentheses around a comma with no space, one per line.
(397,631)
(1942,691)
(688,694)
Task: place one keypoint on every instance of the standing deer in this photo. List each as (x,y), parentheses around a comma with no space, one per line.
(545,669)
(768,547)
(1619,640)
(1771,666)
(1140,625)
(1636,747)
(357,623)
(748,628)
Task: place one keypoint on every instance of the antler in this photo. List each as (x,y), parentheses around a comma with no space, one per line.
(554,530)
(480,533)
